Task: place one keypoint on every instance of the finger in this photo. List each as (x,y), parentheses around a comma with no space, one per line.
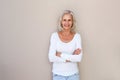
(78,49)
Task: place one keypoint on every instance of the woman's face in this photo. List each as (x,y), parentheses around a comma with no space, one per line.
(67,22)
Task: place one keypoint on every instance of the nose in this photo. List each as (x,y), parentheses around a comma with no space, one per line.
(67,21)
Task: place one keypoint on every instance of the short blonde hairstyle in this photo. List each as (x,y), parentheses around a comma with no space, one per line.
(73,18)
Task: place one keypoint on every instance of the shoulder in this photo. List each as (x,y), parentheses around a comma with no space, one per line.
(77,35)
(54,34)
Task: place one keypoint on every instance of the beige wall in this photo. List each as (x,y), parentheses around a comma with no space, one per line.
(25,28)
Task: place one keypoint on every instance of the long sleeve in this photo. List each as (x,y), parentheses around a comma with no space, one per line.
(52,50)
(74,58)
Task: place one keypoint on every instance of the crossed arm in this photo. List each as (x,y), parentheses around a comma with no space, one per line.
(55,56)
(75,57)
(62,57)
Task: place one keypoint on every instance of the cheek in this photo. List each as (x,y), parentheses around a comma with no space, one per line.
(71,23)
(63,23)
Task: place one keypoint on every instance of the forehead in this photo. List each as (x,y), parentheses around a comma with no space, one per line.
(67,16)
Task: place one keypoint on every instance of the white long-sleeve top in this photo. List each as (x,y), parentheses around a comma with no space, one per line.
(60,66)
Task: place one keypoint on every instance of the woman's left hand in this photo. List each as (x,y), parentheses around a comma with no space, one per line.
(77,52)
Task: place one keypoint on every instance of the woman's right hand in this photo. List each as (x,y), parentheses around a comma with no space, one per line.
(58,54)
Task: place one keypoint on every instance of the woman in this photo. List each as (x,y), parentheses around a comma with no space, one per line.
(65,49)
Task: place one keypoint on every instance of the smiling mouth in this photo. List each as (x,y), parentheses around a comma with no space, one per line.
(67,25)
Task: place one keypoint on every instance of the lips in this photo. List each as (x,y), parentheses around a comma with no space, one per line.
(66,25)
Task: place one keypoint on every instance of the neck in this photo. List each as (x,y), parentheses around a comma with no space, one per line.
(66,32)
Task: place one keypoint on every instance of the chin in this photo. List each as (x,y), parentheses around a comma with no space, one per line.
(66,27)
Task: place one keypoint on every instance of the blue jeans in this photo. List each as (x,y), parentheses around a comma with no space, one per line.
(72,77)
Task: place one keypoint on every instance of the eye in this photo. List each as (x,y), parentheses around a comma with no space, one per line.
(64,19)
(69,20)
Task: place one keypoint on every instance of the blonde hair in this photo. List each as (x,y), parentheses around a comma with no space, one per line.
(73,18)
